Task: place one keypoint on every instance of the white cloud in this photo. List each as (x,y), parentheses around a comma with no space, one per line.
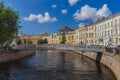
(40,18)
(88,12)
(104,11)
(72,2)
(54,6)
(53,19)
(64,11)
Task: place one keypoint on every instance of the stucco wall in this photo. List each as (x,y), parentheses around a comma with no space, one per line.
(108,59)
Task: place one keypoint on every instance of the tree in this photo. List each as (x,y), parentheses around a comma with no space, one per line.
(100,40)
(19,42)
(42,41)
(45,41)
(29,42)
(63,38)
(9,23)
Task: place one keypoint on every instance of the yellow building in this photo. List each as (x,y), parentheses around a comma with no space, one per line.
(34,38)
(59,38)
(52,39)
(90,34)
(70,37)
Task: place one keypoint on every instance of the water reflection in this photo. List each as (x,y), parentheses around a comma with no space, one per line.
(55,65)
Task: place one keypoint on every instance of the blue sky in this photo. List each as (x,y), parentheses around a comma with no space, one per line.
(38,16)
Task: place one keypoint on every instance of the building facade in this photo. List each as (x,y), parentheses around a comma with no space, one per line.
(90,34)
(80,35)
(33,38)
(97,33)
(53,39)
(70,37)
(108,28)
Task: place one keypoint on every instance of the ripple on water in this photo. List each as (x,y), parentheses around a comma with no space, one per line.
(55,65)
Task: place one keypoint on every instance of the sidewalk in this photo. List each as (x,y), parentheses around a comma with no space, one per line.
(7,56)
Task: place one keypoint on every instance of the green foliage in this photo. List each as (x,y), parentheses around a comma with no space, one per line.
(101,39)
(42,41)
(19,42)
(29,42)
(45,41)
(63,39)
(9,23)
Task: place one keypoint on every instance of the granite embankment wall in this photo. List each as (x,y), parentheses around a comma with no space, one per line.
(8,56)
(108,59)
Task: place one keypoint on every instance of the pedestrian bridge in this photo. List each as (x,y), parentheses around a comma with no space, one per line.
(95,48)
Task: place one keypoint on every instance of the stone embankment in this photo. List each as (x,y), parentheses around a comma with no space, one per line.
(110,60)
(8,56)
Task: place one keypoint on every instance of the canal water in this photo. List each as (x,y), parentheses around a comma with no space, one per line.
(55,65)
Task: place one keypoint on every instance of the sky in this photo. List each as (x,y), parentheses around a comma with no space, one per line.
(39,16)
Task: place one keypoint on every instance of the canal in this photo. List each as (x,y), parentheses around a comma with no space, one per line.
(55,65)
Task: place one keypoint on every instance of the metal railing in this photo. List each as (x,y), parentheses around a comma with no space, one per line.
(82,47)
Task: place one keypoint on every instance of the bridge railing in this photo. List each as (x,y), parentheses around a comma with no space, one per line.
(81,47)
(24,47)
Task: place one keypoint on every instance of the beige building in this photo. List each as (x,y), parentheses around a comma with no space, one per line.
(108,28)
(80,35)
(116,28)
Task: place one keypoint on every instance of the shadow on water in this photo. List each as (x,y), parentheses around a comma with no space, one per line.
(98,59)
(99,56)
(6,75)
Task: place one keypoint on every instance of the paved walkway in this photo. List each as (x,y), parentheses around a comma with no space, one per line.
(7,56)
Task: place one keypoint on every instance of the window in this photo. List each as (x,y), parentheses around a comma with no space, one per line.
(105,25)
(105,33)
(111,32)
(116,40)
(108,33)
(72,37)
(119,22)
(119,30)
(108,25)
(115,22)
(111,23)
(87,35)
(116,31)
(68,37)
